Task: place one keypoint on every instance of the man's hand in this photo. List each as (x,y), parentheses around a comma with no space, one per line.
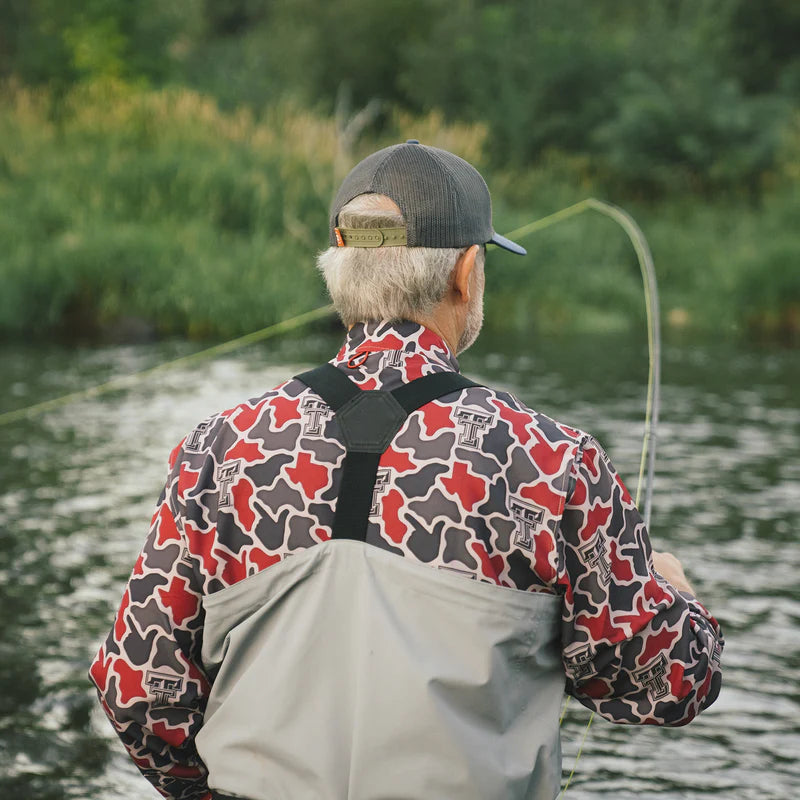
(666,565)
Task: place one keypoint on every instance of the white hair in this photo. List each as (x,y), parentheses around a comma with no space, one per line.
(391,283)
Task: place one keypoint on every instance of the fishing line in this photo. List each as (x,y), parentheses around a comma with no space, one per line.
(125,381)
(653,403)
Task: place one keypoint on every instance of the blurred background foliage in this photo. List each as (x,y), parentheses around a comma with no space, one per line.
(166,168)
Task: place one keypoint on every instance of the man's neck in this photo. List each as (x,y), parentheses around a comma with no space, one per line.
(443,325)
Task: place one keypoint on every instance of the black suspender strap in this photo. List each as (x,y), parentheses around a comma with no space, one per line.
(331,384)
(416,394)
(368,421)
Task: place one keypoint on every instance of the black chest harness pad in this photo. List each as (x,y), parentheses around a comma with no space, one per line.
(368,421)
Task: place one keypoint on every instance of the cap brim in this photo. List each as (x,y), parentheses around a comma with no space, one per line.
(507,244)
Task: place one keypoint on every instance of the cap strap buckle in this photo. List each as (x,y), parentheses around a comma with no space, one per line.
(370,237)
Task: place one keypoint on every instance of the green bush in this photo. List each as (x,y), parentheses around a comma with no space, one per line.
(157,206)
(118,202)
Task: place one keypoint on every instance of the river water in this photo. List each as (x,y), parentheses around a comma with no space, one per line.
(79,483)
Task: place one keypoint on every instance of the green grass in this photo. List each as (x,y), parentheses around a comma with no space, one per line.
(118,202)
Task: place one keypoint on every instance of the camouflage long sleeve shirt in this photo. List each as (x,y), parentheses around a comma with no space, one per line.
(480,486)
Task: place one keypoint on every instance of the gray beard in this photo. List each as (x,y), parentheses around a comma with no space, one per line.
(472,324)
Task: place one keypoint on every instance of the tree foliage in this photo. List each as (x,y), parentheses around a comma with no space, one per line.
(674,96)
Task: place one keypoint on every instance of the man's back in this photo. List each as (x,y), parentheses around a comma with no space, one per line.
(499,542)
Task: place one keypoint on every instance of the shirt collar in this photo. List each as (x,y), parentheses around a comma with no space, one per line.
(406,336)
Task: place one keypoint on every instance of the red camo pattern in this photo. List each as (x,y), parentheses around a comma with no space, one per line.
(474,483)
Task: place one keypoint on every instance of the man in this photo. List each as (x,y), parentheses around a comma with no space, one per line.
(376,580)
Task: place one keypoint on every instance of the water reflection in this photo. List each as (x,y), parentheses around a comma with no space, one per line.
(47,745)
(79,484)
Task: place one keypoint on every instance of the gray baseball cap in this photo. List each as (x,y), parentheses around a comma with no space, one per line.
(444,200)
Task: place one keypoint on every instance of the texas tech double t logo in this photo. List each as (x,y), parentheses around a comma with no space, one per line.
(226,475)
(594,554)
(195,438)
(381,485)
(165,687)
(528,518)
(654,678)
(316,411)
(472,424)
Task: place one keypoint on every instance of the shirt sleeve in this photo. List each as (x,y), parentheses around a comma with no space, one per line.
(635,649)
(148,671)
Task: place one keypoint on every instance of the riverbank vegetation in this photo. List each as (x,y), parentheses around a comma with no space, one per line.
(170,174)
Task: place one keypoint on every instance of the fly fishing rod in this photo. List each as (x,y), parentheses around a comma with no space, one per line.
(653,403)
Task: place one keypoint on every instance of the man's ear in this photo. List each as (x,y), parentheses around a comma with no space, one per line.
(462,272)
